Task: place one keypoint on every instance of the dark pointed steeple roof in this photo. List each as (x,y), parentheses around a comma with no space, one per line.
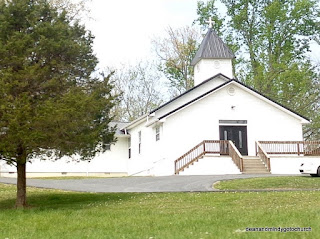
(212,47)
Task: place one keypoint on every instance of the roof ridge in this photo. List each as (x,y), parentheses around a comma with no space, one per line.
(187,91)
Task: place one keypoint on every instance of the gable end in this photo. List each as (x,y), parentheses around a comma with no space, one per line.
(242,84)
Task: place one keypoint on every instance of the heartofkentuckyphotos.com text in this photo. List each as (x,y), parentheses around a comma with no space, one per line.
(278,229)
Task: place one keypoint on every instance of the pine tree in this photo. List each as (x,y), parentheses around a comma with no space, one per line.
(49,102)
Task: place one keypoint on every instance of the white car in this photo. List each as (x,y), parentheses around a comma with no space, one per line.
(311,166)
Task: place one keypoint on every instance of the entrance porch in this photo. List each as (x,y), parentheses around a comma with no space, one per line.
(280,157)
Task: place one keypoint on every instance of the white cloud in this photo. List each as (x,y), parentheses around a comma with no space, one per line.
(123,29)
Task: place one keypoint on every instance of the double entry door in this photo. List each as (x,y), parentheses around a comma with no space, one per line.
(238,135)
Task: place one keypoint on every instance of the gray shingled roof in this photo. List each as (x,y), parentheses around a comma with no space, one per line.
(212,47)
(119,125)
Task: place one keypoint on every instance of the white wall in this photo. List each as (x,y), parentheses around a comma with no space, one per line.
(207,68)
(286,164)
(200,120)
(212,165)
(113,161)
(142,163)
(191,95)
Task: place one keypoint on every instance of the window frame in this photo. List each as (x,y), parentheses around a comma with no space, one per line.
(158,133)
(129,147)
(139,144)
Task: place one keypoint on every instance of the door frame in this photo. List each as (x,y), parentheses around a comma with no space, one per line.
(234,128)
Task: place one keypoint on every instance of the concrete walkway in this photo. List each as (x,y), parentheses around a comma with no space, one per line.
(136,184)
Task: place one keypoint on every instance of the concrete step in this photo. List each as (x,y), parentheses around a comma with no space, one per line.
(251,160)
(256,172)
(250,157)
(254,165)
(255,168)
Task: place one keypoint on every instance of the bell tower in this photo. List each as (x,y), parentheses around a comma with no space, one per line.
(213,57)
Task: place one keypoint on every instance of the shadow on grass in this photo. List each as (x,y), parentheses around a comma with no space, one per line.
(48,200)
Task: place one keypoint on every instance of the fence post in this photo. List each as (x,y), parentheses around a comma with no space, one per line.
(204,147)
(256,148)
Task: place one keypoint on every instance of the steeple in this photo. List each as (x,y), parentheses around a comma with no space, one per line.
(213,57)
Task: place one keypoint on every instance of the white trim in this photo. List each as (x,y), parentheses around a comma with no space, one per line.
(135,122)
(303,121)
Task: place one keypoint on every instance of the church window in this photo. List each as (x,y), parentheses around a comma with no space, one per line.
(129,147)
(139,133)
(157,133)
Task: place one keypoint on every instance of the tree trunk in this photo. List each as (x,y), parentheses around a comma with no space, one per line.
(21,201)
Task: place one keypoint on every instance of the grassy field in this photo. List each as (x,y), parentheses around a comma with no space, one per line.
(58,214)
(270,183)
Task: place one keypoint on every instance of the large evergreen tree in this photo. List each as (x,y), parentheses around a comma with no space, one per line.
(49,102)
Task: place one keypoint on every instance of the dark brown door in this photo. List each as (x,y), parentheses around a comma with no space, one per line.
(238,135)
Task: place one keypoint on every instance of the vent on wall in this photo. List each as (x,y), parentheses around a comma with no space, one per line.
(233,121)
(231,90)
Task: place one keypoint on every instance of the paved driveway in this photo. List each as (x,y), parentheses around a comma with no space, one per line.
(136,184)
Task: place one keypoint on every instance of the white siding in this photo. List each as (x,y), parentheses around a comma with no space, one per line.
(200,120)
(113,161)
(151,150)
(190,95)
(285,164)
(207,68)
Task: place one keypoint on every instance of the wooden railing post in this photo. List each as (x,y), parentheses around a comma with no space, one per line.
(256,148)
(264,156)
(193,155)
(311,148)
(235,155)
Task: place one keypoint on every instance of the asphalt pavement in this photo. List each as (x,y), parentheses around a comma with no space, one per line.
(136,184)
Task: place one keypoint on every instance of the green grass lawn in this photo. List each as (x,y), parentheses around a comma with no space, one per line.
(59,214)
(270,183)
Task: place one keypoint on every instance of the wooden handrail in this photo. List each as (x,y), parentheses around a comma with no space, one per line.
(205,147)
(307,148)
(235,155)
(263,155)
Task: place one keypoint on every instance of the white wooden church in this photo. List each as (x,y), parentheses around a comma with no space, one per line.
(220,126)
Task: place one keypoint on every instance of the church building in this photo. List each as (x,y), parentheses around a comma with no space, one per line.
(220,126)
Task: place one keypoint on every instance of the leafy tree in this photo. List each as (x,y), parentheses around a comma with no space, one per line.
(207,10)
(175,52)
(272,38)
(74,8)
(50,104)
(139,87)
